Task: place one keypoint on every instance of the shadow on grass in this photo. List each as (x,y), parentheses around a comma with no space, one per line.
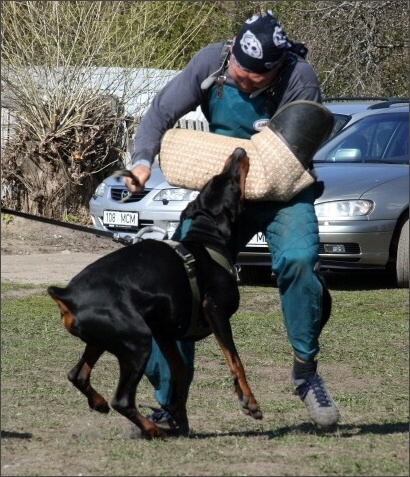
(335,280)
(15,435)
(359,280)
(342,430)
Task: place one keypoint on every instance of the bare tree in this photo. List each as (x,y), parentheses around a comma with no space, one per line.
(72,117)
(358,48)
(74,106)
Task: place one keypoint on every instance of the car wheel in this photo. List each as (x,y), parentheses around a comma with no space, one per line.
(402,263)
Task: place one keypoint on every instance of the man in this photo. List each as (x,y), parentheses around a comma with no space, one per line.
(239,87)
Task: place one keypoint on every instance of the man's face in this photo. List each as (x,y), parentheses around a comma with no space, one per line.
(248,81)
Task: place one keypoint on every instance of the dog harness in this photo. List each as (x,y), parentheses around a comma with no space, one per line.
(197,327)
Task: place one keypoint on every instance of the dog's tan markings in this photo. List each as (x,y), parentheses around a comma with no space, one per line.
(80,377)
(250,407)
(243,172)
(66,315)
(149,429)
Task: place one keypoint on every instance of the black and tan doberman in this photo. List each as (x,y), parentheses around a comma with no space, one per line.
(166,290)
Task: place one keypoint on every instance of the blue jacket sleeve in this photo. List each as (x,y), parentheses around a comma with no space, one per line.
(178,97)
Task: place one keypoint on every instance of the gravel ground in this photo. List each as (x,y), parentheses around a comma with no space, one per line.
(33,252)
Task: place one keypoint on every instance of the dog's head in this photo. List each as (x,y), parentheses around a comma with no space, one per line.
(221,199)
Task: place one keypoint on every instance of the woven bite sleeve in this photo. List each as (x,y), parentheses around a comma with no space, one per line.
(190,158)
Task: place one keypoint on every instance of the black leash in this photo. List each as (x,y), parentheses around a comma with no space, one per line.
(68,225)
(101,233)
(115,236)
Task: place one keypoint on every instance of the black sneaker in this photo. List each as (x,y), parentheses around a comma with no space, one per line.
(321,407)
(163,419)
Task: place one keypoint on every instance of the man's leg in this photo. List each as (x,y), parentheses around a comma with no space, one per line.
(292,235)
(157,369)
(293,238)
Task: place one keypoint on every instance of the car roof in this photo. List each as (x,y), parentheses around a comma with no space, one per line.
(347,110)
(353,105)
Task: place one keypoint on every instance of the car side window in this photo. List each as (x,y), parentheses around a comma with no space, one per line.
(376,138)
(357,142)
(374,141)
(354,147)
(382,136)
(399,144)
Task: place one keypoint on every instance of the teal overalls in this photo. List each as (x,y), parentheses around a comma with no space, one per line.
(292,235)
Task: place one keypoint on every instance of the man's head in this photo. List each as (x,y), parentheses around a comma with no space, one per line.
(260,44)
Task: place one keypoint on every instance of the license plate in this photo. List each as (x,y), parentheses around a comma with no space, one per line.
(120,219)
(257,240)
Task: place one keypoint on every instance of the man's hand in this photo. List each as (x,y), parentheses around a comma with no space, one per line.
(142,173)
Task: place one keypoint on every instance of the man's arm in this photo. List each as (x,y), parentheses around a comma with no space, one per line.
(178,97)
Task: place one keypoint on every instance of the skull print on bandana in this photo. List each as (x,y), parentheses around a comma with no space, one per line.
(279,37)
(251,45)
(260,43)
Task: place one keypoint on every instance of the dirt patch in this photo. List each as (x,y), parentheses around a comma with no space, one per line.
(33,252)
(22,236)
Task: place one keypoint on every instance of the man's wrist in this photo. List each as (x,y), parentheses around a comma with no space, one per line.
(142,162)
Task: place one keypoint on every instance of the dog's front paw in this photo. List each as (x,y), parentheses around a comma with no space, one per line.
(251,409)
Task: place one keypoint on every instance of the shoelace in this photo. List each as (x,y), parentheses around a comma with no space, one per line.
(160,415)
(315,384)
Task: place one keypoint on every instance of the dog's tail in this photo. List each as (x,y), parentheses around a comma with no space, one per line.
(59,295)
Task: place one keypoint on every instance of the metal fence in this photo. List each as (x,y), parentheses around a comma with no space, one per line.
(197,125)
(7,122)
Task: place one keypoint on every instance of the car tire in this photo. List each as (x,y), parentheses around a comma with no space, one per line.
(402,263)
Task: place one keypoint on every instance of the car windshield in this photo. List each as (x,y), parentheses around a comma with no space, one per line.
(380,138)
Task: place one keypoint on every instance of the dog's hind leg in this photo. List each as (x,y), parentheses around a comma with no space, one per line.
(222,330)
(132,365)
(80,377)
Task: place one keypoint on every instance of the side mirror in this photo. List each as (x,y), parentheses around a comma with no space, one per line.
(347,155)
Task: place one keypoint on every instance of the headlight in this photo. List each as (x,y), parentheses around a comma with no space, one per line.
(344,208)
(100,190)
(169,195)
